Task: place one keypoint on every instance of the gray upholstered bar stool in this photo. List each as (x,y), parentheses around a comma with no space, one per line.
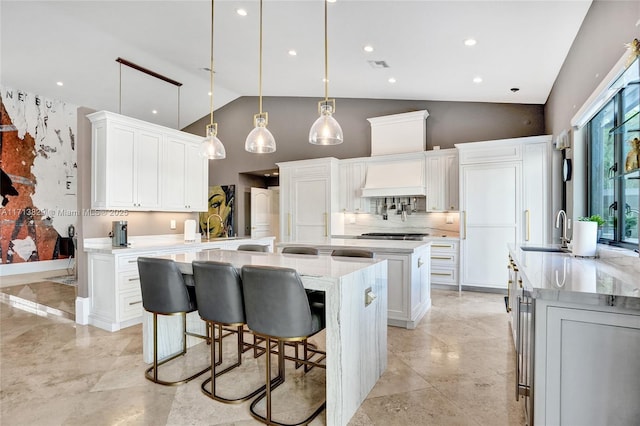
(277,308)
(300,250)
(164,292)
(220,304)
(253,247)
(348,252)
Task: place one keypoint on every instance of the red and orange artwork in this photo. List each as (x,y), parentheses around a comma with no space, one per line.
(26,232)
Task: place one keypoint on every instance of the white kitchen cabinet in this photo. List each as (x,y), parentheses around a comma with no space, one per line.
(494,191)
(137,165)
(125,164)
(442,180)
(352,179)
(309,200)
(185,179)
(444,261)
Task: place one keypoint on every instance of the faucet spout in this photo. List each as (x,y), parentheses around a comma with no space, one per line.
(563,238)
(221,224)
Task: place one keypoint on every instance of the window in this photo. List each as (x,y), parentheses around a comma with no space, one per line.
(614,175)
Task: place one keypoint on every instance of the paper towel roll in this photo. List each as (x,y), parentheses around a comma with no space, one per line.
(585,238)
(189,230)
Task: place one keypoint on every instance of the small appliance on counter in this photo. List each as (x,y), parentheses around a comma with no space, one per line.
(118,233)
(189,231)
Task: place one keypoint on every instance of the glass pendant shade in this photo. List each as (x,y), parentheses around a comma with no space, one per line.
(260,140)
(326,130)
(211,147)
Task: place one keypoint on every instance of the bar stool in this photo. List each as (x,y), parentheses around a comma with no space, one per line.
(300,250)
(164,293)
(348,252)
(277,308)
(220,304)
(253,247)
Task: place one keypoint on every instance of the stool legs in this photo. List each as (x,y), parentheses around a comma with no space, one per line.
(152,372)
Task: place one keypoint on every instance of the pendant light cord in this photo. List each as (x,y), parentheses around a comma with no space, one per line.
(326,56)
(211,65)
(260,73)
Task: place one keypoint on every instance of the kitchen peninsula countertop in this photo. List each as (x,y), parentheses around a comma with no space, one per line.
(159,242)
(610,279)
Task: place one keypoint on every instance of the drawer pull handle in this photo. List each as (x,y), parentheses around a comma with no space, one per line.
(442,257)
(133,261)
(135,303)
(449,246)
(134,279)
(443,274)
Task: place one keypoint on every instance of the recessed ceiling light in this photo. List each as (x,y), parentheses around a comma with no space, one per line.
(241,12)
(292,52)
(368,48)
(276,173)
(477,79)
(209,93)
(331,1)
(325,80)
(60,83)
(155,111)
(267,174)
(392,80)
(470,42)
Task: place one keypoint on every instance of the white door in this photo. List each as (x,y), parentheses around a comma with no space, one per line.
(261,213)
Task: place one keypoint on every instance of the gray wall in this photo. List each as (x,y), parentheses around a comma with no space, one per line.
(290,119)
(599,44)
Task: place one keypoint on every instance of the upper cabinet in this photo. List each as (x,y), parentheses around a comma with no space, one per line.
(352,179)
(137,165)
(442,180)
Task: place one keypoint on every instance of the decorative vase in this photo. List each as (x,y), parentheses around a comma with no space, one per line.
(633,157)
(585,238)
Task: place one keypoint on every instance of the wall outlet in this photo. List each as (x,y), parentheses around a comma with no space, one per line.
(172,225)
(448,219)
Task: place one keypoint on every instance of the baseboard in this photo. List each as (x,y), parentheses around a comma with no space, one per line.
(31,267)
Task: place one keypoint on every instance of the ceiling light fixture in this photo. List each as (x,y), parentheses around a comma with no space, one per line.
(292,52)
(260,140)
(241,12)
(155,111)
(477,79)
(470,42)
(392,80)
(211,147)
(326,130)
(60,83)
(368,48)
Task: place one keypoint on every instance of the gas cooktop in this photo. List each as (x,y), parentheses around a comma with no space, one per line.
(392,236)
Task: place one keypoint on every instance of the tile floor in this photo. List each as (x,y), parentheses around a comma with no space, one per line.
(456,368)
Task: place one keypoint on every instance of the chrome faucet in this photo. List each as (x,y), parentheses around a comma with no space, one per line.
(221,224)
(565,225)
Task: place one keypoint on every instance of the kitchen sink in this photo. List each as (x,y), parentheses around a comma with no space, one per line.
(545,249)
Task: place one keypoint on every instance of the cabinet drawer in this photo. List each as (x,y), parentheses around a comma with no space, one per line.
(441,275)
(130,305)
(444,258)
(444,247)
(131,261)
(128,281)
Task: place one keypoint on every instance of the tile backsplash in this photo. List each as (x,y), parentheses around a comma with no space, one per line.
(359,223)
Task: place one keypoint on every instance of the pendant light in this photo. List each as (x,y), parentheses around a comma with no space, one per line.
(260,140)
(211,147)
(326,130)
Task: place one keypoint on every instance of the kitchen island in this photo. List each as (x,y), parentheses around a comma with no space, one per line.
(409,289)
(356,332)
(577,331)
(115,299)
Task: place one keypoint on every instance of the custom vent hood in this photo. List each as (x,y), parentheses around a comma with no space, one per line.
(395,179)
(401,175)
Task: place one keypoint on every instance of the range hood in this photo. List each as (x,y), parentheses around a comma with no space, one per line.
(395,179)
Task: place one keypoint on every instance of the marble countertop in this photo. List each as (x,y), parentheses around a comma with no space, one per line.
(157,242)
(311,266)
(377,246)
(612,278)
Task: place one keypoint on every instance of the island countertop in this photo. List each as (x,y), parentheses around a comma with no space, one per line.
(378,246)
(610,279)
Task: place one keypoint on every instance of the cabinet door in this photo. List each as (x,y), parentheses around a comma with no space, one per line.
(435,183)
(147,170)
(451,189)
(352,180)
(174,182)
(197,179)
(310,211)
(535,184)
(286,188)
(489,220)
(121,166)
